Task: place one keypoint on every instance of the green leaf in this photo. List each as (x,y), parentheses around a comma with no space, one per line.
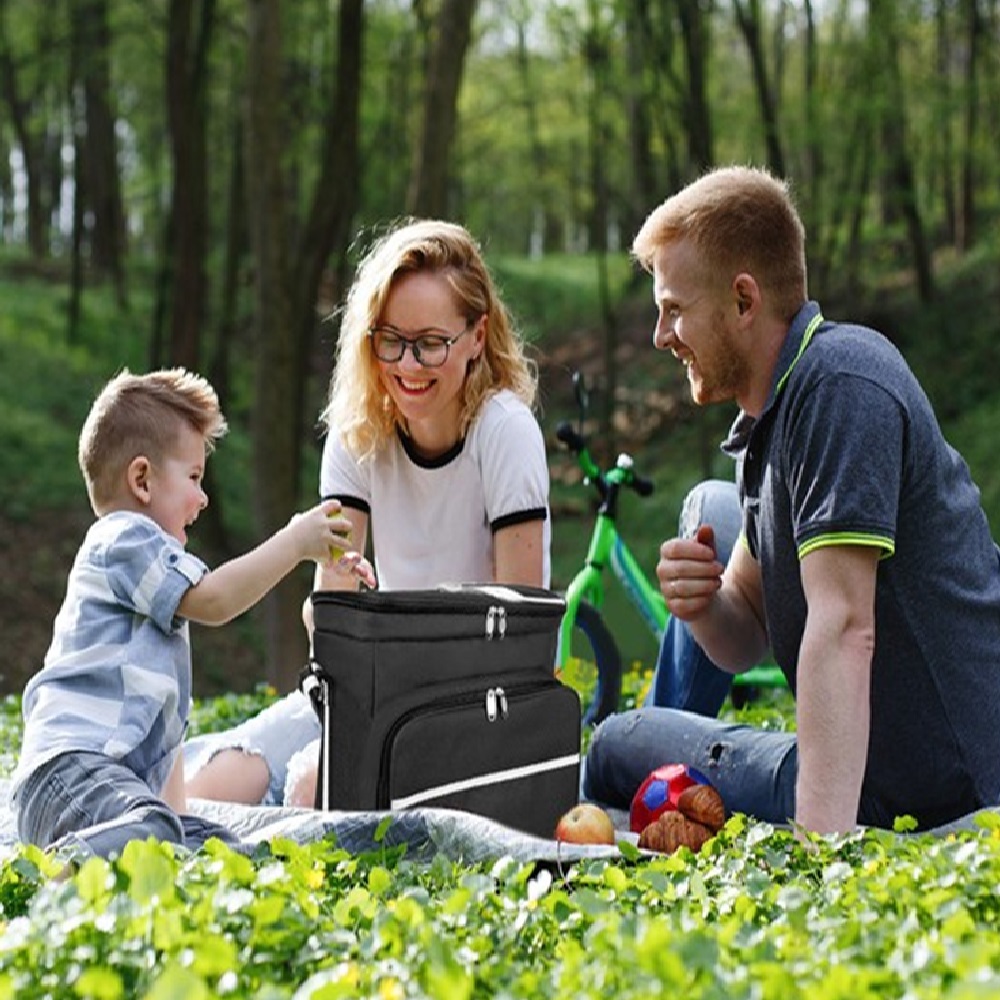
(382,828)
(100,984)
(151,872)
(177,983)
(904,824)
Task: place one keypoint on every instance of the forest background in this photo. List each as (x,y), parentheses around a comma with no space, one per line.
(192,181)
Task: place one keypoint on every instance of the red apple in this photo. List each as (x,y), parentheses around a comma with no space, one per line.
(586,824)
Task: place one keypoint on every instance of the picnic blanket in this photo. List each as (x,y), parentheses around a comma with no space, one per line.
(459,836)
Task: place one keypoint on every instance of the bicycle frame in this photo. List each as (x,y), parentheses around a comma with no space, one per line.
(608,549)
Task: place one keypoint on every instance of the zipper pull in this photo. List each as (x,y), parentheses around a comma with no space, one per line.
(502,621)
(490,621)
(502,698)
(491,705)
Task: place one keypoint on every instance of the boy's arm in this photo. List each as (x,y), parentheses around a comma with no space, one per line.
(237,585)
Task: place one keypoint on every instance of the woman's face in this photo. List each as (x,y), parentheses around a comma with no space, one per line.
(422,304)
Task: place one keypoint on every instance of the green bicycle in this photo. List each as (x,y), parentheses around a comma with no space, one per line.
(608,550)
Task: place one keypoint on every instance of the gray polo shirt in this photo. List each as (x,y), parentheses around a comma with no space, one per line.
(848,451)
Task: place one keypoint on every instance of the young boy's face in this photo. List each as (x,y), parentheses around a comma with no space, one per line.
(176,496)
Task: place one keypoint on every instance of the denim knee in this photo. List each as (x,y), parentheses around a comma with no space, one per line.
(715,502)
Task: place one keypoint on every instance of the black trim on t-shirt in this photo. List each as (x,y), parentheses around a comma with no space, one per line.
(428,463)
(519,517)
(355,503)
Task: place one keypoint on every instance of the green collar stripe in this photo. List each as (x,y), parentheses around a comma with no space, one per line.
(848,538)
(806,337)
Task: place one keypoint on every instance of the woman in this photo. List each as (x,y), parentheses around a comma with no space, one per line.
(431,441)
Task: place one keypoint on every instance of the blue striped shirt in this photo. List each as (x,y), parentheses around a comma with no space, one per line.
(117,676)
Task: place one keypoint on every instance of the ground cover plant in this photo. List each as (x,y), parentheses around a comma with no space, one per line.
(756,913)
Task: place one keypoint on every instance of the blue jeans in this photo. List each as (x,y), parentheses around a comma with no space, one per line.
(88,804)
(685,677)
(753,770)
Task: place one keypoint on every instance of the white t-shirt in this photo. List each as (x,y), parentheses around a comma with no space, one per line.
(432,521)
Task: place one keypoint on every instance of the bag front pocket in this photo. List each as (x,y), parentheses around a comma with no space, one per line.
(511,753)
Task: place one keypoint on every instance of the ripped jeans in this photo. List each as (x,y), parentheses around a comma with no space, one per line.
(753,770)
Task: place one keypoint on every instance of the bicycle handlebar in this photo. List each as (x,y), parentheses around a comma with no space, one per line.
(566,433)
(577,444)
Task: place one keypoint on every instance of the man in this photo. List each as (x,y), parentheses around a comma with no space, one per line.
(865,563)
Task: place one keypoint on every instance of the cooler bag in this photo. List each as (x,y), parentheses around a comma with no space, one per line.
(445,698)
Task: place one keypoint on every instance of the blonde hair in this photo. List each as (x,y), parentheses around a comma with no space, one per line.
(740,219)
(141,415)
(359,409)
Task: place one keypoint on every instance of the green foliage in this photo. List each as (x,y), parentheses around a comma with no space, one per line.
(759,912)
(557,292)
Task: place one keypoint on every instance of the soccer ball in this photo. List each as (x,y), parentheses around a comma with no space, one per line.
(660,791)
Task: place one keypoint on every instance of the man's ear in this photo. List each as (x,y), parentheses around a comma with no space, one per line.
(747,293)
(137,475)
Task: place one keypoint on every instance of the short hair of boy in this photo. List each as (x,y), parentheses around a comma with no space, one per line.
(141,415)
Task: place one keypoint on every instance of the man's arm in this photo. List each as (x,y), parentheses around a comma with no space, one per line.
(518,554)
(834,680)
(727,620)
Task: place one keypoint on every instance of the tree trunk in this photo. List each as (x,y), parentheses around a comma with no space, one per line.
(275,432)
(428,191)
(30,134)
(965,230)
(92,42)
(943,145)
(640,101)
(696,39)
(288,279)
(902,189)
(748,18)
(187,84)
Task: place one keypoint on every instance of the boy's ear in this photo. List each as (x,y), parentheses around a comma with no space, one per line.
(137,475)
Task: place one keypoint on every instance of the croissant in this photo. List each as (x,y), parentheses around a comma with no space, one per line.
(704,805)
(672,830)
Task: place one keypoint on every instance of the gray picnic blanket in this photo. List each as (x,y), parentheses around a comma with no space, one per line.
(459,836)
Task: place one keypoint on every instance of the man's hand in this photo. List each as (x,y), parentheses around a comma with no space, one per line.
(690,573)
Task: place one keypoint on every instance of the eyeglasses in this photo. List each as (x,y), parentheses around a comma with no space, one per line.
(429,349)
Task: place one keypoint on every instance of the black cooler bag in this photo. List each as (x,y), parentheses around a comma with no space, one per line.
(444,698)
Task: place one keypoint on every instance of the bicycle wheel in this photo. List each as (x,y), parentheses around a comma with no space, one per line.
(607,661)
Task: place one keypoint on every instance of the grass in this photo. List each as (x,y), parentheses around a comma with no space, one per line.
(757,914)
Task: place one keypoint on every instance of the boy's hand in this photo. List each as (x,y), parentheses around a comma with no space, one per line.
(324,537)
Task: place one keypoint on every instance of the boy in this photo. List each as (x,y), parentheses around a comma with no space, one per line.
(105,717)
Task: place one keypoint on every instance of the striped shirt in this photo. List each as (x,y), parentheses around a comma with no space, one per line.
(117,676)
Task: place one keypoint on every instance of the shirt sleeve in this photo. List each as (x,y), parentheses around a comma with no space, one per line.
(844,463)
(341,476)
(514,469)
(149,572)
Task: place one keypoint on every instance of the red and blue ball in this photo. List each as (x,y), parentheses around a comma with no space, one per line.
(660,791)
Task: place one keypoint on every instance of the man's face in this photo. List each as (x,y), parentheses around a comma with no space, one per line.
(693,323)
